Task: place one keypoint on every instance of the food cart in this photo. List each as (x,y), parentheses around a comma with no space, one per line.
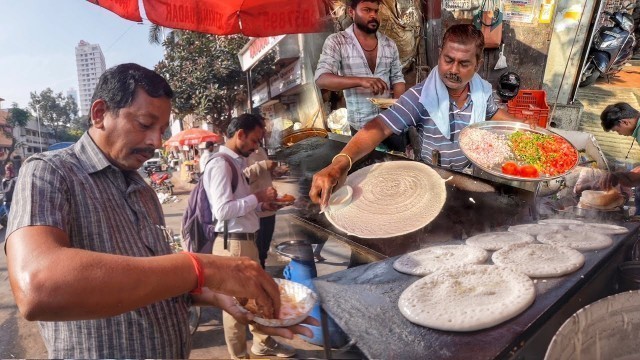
(363,300)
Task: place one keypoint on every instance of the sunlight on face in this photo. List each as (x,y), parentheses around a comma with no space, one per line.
(130,138)
(249,142)
(457,64)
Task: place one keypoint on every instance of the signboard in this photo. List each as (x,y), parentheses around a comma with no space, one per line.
(519,10)
(260,95)
(453,5)
(255,49)
(286,79)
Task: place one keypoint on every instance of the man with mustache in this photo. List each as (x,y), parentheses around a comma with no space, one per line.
(452,97)
(364,63)
(86,249)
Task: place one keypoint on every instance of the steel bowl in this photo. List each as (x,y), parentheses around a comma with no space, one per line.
(507,128)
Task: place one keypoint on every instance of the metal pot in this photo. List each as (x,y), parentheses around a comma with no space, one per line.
(301,134)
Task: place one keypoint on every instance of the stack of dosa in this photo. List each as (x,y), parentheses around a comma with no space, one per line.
(601,200)
(382,103)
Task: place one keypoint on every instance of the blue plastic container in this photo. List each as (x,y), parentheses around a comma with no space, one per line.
(302,269)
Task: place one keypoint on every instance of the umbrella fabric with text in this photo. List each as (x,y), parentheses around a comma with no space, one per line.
(256,18)
(193,136)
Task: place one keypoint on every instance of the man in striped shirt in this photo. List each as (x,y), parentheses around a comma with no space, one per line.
(86,249)
(361,61)
(454,92)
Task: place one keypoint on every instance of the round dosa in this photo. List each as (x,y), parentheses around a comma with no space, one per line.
(562,222)
(390,199)
(497,240)
(577,239)
(607,229)
(539,260)
(467,298)
(537,229)
(437,258)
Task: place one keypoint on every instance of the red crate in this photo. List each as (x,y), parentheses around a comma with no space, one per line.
(530,104)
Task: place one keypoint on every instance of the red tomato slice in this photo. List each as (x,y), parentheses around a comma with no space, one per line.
(510,168)
(529,171)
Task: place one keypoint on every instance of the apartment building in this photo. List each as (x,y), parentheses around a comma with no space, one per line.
(90,64)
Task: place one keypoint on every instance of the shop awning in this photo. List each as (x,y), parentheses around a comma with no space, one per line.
(255,18)
(193,136)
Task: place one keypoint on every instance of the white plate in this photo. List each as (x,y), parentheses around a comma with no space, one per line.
(303,298)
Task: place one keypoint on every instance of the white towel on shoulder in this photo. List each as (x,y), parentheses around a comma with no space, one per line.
(435,98)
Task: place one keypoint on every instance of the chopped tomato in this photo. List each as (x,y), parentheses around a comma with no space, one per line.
(529,171)
(550,154)
(510,168)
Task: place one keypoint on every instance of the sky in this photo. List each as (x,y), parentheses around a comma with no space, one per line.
(38,40)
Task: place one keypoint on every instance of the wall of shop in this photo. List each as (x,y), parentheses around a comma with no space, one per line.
(525,37)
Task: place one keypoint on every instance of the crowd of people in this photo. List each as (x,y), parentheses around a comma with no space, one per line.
(87,248)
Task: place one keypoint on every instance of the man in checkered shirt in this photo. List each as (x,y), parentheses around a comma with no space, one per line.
(362,62)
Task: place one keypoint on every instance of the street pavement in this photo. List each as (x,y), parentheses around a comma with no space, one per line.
(21,339)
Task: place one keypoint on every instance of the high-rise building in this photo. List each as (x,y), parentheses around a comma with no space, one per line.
(74,94)
(90,65)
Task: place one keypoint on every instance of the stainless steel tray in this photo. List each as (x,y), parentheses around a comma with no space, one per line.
(506,128)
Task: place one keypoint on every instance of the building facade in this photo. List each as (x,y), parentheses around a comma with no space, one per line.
(32,139)
(90,64)
(5,142)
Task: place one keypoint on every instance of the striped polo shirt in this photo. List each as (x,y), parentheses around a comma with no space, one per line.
(408,111)
(102,209)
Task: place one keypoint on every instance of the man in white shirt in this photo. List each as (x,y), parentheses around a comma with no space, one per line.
(206,154)
(239,210)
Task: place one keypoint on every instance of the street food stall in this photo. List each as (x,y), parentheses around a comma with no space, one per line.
(363,300)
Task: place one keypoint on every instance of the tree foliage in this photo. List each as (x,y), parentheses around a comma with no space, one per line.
(56,111)
(205,74)
(17,118)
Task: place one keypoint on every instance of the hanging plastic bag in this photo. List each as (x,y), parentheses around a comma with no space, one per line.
(502,60)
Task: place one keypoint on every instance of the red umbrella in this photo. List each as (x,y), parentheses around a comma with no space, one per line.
(257,18)
(193,136)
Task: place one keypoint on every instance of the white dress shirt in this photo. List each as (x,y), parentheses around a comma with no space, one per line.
(206,154)
(238,208)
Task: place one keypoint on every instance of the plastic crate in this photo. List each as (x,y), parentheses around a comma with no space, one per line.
(530,104)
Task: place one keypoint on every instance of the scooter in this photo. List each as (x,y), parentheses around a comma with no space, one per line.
(612,47)
(159,180)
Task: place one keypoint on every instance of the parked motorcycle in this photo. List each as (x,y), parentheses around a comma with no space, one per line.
(159,181)
(612,47)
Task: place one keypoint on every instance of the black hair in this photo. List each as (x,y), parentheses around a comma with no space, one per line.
(354,3)
(117,86)
(209,144)
(613,114)
(246,122)
(465,34)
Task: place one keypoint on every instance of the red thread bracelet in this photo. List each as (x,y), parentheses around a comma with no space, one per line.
(197,265)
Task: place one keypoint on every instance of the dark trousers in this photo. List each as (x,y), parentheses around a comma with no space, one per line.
(265,234)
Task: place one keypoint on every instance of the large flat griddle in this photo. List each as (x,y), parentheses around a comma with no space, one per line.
(363,301)
(473,205)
